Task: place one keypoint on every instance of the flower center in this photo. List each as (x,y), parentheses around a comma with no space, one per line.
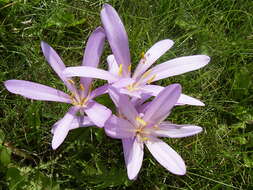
(78,97)
(132,87)
(140,130)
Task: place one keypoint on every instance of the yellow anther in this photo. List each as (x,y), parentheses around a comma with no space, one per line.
(82,87)
(142,55)
(129,68)
(71,81)
(151,79)
(144,138)
(141,121)
(145,75)
(120,70)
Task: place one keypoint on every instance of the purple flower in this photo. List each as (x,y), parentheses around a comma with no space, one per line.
(81,97)
(139,83)
(137,128)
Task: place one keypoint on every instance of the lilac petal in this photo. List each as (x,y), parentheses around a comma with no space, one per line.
(113,66)
(153,54)
(36,91)
(179,66)
(90,72)
(63,127)
(97,113)
(124,105)
(56,63)
(139,101)
(78,121)
(114,95)
(135,93)
(176,131)
(133,154)
(162,104)
(154,90)
(166,156)
(99,91)
(117,36)
(123,82)
(143,107)
(118,128)
(93,52)
(184,99)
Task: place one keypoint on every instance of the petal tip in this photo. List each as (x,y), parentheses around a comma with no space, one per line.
(106,5)
(132,177)
(54,146)
(176,86)
(98,30)
(201,104)
(9,85)
(199,129)
(6,83)
(206,58)
(181,170)
(43,44)
(170,42)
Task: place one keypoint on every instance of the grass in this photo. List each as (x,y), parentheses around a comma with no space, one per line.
(219,158)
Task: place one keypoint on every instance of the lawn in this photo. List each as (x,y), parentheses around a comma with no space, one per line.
(221,157)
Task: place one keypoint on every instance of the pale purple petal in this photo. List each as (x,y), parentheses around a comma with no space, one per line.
(139,101)
(176,131)
(133,154)
(123,82)
(134,93)
(153,54)
(113,66)
(78,121)
(142,108)
(99,91)
(97,113)
(92,53)
(117,36)
(166,156)
(118,128)
(56,63)
(124,105)
(36,91)
(154,90)
(179,66)
(90,72)
(184,99)
(114,95)
(162,104)
(63,127)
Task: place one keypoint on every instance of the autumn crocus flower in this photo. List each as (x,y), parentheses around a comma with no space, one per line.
(137,128)
(138,83)
(81,97)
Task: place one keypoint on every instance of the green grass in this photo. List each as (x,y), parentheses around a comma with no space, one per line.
(221,157)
